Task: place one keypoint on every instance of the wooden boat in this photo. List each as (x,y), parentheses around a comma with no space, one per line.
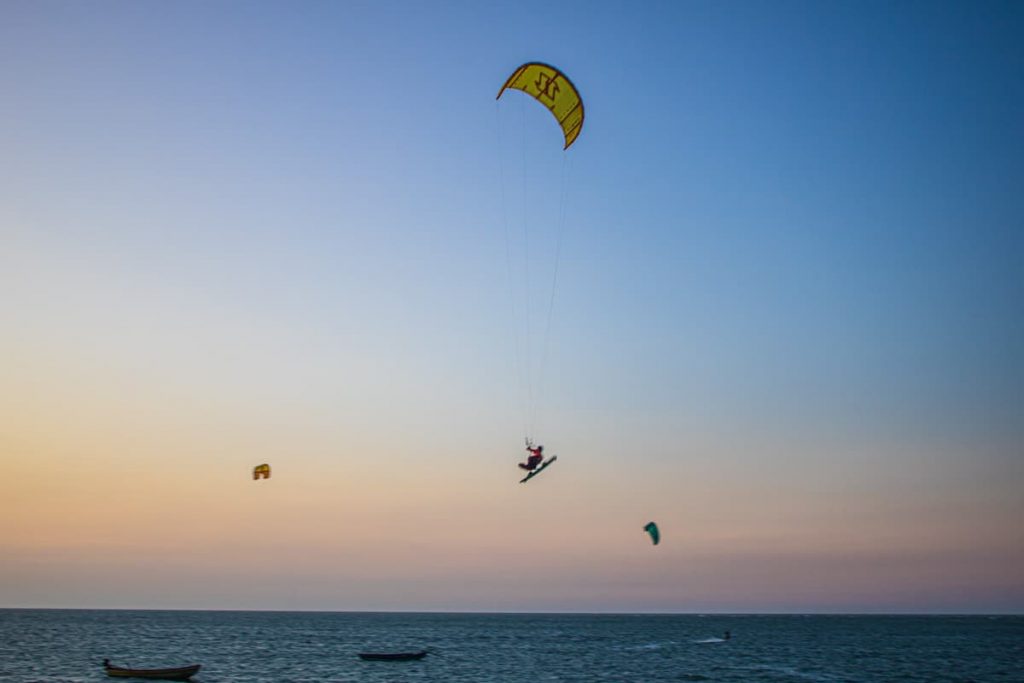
(393,656)
(182,673)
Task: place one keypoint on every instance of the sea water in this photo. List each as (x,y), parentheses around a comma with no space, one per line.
(58,646)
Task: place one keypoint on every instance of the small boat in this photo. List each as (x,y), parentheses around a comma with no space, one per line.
(182,673)
(392,656)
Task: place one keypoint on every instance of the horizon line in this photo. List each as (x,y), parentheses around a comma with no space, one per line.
(525,612)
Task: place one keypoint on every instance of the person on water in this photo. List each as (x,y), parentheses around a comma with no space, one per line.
(535,459)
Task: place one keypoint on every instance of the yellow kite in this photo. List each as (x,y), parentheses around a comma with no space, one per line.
(554,90)
(261,471)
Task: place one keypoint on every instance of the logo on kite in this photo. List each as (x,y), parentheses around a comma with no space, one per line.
(652,529)
(261,472)
(544,84)
(550,87)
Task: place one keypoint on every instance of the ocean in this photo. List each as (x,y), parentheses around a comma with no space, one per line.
(63,646)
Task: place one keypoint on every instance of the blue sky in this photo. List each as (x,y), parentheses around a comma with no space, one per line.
(792,260)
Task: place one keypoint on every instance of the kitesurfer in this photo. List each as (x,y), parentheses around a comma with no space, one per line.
(535,459)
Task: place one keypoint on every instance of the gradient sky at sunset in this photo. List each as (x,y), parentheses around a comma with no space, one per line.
(789,323)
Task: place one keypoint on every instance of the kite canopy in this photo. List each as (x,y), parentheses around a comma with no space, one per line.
(550,87)
(652,529)
(261,471)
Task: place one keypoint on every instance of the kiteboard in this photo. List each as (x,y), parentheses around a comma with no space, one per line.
(537,471)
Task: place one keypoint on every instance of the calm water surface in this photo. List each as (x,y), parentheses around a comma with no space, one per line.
(68,645)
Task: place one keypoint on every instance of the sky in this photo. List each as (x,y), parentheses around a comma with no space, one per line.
(772,299)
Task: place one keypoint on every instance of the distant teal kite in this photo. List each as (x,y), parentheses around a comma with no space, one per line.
(652,529)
